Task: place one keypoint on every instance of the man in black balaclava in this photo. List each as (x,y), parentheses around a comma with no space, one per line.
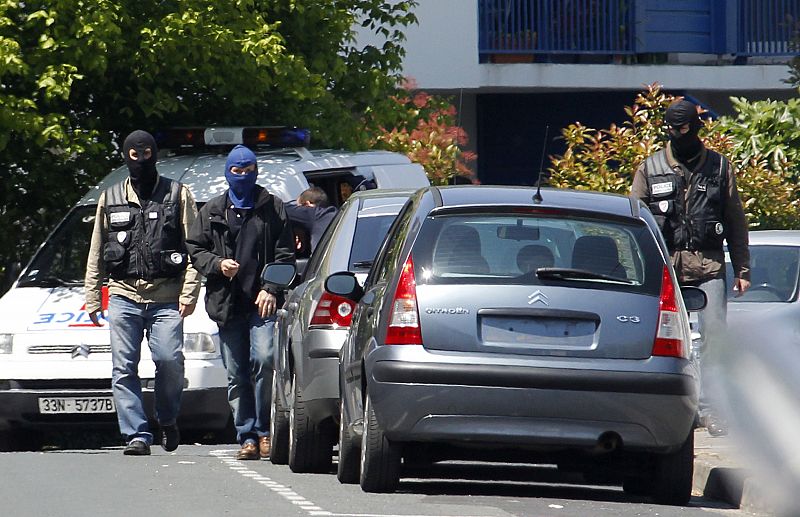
(684,125)
(692,193)
(140,153)
(139,242)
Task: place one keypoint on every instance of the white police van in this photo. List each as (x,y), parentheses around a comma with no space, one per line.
(55,366)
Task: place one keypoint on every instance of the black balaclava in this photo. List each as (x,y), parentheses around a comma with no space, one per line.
(685,146)
(143,172)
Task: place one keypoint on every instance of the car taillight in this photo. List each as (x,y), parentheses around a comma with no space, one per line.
(404,323)
(333,310)
(670,339)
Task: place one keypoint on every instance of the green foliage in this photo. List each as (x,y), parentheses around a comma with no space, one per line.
(762,141)
(77,75)
(427,134)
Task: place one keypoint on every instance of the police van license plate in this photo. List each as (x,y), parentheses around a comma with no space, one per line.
(61,405)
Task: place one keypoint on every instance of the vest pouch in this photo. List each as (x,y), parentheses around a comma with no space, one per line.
(113,255)
(173,261)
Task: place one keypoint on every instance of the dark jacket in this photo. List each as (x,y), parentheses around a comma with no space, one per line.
(315,219)
(265,236)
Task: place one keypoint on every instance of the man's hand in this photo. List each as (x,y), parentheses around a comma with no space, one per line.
(740,285)
(229,267)
(266,303)
(186,310)
(94,316)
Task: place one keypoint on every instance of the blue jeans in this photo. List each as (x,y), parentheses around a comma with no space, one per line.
(246,344)
(712,323)
(129,321)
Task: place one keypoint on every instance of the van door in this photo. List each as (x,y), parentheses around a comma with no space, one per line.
(407,175)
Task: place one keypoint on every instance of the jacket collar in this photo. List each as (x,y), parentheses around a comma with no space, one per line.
(220,204)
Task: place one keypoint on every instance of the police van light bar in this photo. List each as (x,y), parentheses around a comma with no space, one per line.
(275,136)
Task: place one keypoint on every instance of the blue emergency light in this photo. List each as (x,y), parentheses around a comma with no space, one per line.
(271,136)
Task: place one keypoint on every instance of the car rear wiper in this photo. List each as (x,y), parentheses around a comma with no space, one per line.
(363,264)
(578,274)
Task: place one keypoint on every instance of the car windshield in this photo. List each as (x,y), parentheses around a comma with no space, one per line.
(370,232)
(534,249)
(62,259)
(774,273)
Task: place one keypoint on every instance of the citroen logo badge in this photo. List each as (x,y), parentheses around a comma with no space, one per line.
(81,350)
(538,297)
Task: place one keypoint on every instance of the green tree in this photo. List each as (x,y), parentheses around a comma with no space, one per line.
(78,75)
(761,140)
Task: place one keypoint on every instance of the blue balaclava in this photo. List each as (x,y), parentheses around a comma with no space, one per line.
(241,186)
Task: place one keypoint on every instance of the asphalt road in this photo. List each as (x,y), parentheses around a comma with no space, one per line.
(206,480)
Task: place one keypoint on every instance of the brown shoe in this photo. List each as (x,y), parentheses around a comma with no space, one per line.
(249,451)
(263,446)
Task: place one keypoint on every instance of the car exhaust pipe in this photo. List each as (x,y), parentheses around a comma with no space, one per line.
(608,442)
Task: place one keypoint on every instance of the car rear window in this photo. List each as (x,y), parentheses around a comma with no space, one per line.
(370,232)
(774,273)
(468,248)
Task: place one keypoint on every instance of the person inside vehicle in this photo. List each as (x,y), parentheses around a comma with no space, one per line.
(312,212)
(533,256)
(234,237)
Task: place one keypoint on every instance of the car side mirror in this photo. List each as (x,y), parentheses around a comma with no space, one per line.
(344,284)
(279,275)
(694,298)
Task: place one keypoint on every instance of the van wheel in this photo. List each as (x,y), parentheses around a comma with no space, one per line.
(380,458)
(347,468)
(310,450)
(672,481)
(278,427)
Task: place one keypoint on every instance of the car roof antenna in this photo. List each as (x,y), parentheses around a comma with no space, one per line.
(537,198)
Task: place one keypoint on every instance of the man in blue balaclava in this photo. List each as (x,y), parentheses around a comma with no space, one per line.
(235,235)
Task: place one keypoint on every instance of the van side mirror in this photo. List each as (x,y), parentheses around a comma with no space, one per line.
(279,275)
(344,284)
(694,298)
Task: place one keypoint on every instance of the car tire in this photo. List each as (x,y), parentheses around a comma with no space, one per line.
(278,427)
(380,457)
(640,486)
(672,480)
(309,449)
(348,467)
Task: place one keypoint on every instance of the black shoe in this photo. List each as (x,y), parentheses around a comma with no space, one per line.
(170,437)
(137,448)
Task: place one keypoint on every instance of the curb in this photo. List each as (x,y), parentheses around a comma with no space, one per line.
(732,485)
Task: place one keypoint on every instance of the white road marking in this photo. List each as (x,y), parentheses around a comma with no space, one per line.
(225,455)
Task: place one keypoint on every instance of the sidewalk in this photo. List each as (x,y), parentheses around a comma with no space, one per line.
(720,474)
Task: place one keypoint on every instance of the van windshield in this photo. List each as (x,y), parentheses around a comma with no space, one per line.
(62,259)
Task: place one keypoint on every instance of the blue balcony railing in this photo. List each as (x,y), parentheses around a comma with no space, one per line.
(620,27)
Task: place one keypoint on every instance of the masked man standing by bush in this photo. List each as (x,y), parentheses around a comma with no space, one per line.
(234,237)
(138,240)
(692,193)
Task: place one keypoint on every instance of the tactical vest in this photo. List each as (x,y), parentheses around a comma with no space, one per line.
(144,242)
(692,221)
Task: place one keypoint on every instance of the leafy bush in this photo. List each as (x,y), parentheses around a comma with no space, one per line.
(427,134)
(761,141)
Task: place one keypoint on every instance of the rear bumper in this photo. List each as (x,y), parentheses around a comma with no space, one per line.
(529,405)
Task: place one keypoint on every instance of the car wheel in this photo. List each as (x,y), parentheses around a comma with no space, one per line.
(672,480)
(637,485)
(278,427)
(309,450)
(347,469)
(380,458)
